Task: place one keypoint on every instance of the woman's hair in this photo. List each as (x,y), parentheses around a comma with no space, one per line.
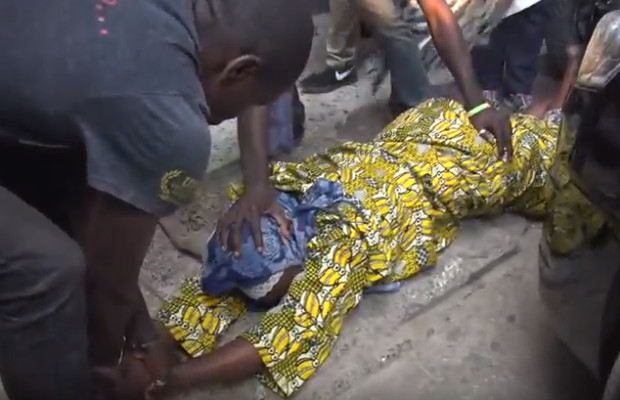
(278,31)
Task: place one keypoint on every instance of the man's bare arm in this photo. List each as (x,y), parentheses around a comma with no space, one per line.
(140,328)
(454,51)
(253,136)
(115,239)
(259,195)
(452,48)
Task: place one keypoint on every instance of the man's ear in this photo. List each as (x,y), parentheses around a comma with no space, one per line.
(240,68)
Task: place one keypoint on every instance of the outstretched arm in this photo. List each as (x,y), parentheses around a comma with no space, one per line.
(252,131)
(454,51)
(452,48)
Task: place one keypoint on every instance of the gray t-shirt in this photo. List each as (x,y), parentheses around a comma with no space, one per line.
(125,71)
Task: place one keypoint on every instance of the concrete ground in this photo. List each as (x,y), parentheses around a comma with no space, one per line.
(488,340)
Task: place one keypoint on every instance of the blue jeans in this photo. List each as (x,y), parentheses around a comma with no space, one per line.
(509,63)
(409,77)
(286,123)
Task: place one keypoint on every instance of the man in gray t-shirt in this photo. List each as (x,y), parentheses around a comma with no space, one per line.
(104,112)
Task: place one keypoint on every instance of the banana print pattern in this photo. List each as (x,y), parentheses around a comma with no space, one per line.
(571,219)
(424,172)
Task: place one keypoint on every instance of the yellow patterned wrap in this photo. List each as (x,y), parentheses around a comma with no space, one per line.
(423,173)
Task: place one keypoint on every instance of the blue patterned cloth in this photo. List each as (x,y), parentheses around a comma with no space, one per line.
(223,272)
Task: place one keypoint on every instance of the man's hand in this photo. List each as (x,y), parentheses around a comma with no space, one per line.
(254,203)
(138,375)
(498,124)
(260,197)
(127,381)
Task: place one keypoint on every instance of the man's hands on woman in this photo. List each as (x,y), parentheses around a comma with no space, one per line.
(130,380)
(142,373)
(259,197)
(250,207)
(497,123)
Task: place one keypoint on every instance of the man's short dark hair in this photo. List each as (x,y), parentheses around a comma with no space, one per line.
(278,31)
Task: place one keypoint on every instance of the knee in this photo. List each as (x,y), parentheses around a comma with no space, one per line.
(387,22)
(41,279)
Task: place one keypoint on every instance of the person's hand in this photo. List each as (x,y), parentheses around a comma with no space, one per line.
(156,359)
(128,381)
(141,375)
(496,123)
(254,203)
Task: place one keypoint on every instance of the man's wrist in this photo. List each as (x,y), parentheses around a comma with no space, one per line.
(141,345)
(472,112)
(474,99)
(472,93)
(142,336)
(257,185)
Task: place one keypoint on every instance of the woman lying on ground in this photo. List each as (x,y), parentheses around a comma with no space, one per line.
(362,216)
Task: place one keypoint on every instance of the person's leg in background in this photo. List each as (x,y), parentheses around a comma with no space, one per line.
(43,343)
(299,118)
(286,123)
(342,38)
(402,56)
(489,62)
(281,125)
(526,32)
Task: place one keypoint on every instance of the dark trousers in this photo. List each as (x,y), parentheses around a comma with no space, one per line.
(509,63)
(43,339)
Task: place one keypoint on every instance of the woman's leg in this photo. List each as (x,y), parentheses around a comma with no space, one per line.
(233,362)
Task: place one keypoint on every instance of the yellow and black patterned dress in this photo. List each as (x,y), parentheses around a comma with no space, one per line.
(423,173)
